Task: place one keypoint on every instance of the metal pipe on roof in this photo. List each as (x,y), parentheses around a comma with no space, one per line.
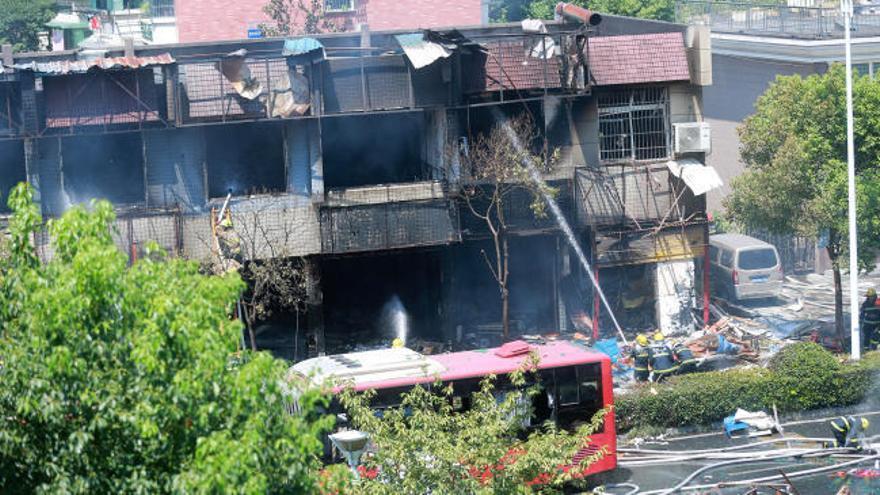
(575,13)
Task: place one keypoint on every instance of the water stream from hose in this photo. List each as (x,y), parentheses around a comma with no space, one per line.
(557,214)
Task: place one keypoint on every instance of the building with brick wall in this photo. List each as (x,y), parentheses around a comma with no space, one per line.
(216,20)
(346,150)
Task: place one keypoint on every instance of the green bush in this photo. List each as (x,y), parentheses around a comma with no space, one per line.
(802,376)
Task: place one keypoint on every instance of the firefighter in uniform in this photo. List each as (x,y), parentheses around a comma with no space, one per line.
(684,358)
(870,318)
(849,431)
(641,356)
(662,361)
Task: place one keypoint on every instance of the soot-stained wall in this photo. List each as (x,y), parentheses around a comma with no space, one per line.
(246,158)
(374,149)
(475,297)
(358,288)
(108,166)
(12,169)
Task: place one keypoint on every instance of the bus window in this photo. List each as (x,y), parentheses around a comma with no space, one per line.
(567,386)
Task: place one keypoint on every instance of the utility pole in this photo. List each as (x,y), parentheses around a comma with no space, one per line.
(846,7)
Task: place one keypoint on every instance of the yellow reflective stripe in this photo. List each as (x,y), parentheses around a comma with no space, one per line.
(838,428)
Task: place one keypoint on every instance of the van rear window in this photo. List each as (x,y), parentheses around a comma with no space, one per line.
(757,259)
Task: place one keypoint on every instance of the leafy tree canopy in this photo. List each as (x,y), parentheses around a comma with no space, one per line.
(121,379)
(794,146)
(21,20)
(515,10)
(434,442)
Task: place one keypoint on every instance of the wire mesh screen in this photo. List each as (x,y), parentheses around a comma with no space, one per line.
(206,95)
(624,195)
(10,103)
(104,98)
(633,125)
(367,83)
(388,226)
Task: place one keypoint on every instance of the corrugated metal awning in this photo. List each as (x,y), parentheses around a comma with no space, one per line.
(62,67)
(698,177)
(301,46)
(421,52)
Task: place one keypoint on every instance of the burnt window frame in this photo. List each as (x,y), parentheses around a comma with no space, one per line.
(619,112)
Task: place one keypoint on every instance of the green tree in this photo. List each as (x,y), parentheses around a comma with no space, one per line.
(663,10)
(794,147)
(428,444)
(121,379)
(21,20)
(297,17)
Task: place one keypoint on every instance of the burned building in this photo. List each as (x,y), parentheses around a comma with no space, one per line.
(344,150)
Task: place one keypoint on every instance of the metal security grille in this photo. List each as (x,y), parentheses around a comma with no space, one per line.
(77,102)
(208,96)
(366,83)
(338,5)
(388,226)
(634,125)
(162,8)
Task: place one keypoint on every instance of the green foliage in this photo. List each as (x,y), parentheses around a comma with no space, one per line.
(663,10)
(21,20)
(297,17)
(802,376)
(795,150)
(427,445)
(119,379)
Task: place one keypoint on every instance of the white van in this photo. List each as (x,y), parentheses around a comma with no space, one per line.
(743,267)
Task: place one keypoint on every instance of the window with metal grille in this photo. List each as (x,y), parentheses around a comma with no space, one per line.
(162,8)
(338,5)
(633,125)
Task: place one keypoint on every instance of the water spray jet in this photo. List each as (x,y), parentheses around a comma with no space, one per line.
(535,175)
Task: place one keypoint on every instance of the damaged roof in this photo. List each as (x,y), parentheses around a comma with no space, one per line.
(61,67)
(638,58)
(510,66)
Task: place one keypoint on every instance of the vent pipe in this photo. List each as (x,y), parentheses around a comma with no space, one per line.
(572,12)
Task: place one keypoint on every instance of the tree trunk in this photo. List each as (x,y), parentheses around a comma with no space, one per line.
(838,297)
(247,323)
(505,292)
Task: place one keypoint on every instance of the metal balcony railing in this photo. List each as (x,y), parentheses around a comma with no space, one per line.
(776,20)
(162,8)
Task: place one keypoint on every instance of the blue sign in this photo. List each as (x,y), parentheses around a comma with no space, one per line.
(254,33)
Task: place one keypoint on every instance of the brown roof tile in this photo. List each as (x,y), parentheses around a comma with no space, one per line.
(640,58)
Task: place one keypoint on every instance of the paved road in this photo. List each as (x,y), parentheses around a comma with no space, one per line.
(668,475)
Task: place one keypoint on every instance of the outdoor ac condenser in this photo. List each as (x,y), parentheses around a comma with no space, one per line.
(693,137)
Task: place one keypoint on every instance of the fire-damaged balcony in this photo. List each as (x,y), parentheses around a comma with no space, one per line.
(388,217)
(95,95)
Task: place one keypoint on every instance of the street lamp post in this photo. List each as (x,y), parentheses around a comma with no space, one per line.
(846,7)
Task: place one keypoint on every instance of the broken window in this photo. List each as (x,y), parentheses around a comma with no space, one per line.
(633,125)
(245,159)
(108,166)
(374,149)
(12,169)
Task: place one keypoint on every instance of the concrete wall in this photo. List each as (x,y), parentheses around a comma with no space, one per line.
(737,84)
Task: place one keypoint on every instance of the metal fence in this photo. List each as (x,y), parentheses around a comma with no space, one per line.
(777,20)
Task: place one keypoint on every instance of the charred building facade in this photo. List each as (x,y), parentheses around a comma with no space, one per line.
(344,149)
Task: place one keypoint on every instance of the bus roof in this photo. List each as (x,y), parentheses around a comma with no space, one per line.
(389,368)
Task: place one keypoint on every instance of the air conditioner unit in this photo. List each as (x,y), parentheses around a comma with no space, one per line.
(693,137)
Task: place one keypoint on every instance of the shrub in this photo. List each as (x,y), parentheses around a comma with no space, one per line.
(802,376)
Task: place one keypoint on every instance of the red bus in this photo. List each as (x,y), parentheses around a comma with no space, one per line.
(575,381)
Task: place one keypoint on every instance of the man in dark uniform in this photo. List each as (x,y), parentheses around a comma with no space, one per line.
(641,356)
(662,362)
(869,315)
(849,431)
(684,357)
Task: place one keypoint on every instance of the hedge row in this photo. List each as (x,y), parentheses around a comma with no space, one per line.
(800,377)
